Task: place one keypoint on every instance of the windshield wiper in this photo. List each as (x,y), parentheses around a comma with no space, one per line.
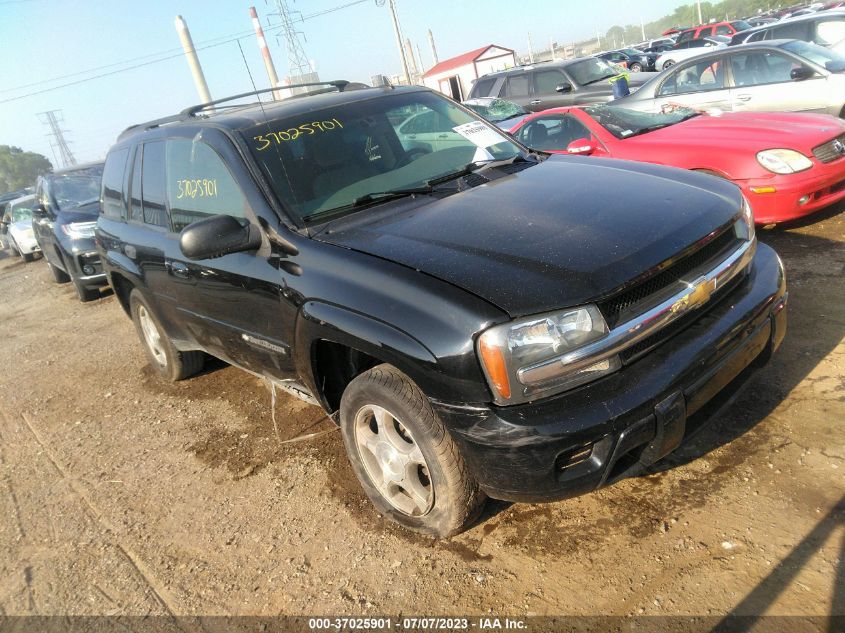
(595,81)
(383,196)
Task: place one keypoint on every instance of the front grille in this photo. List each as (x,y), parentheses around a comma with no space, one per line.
(828,152)
(639,349)
(649,292)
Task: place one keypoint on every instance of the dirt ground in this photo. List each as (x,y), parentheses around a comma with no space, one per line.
(120,494)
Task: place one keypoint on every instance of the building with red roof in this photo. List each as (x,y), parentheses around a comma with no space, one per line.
(453,77)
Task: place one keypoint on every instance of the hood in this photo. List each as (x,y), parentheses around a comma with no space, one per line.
(509,124)
(750,132)
(561,233)
(85,213)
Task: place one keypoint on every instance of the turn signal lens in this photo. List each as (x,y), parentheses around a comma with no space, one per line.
(494,363)
(763,190)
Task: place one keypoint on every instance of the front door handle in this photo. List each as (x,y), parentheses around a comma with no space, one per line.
(744,97)
(443,136)
(535,102)
(178,269)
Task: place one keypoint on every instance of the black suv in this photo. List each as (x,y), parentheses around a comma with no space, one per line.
(484,319)
(553,84)
(63,220)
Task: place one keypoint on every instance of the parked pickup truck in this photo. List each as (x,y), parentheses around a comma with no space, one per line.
(479,318)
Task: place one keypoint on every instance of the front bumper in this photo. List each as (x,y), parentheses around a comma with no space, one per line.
(84,260)
(823,185)
(577,441)
(25,242)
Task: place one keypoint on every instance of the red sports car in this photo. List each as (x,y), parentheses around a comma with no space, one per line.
(787,164)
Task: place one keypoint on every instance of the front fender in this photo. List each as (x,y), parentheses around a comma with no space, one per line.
(324,321)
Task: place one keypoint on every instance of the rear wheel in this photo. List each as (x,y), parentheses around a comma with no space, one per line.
(403,456)
(668,63)
(167,361)
(636,68)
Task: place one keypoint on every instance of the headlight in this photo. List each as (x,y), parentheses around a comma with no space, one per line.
(77,230)
(745,224)
(783,161)
(527,359)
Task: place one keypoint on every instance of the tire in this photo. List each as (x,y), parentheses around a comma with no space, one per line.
(165,359)
(668,64)
(414,455)
(85,294)
(59,276)
(636,68)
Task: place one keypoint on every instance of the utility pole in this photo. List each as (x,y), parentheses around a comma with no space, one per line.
(698,4)
(52,119)
(530,49)
(392,5)
(419,59)
(598,39)
(433,49)
(552,43)
(193,60)
(642,26)
(265,52)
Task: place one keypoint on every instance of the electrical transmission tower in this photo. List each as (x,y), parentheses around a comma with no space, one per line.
(298,64)
(52,119)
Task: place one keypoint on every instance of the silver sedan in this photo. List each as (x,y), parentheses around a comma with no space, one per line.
(773,76)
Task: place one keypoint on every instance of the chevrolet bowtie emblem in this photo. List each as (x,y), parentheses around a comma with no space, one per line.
(701,290)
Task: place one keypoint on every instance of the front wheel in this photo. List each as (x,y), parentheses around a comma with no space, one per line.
(668,64)
(403,456)
(636,68)
(59,276)
(167,361)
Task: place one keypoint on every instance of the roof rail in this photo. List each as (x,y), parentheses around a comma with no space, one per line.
(192,111)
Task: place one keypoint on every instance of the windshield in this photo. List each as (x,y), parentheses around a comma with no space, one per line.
(741,25)
(824,57)
(624,123)
(76,188)
(497,110)
(322,162)
(591,71)
(21,211)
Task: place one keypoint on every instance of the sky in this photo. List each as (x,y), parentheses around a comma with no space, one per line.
(45,44)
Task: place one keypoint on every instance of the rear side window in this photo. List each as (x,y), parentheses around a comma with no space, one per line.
(517,86)
(797,31)
(152,184)
(482,87)
(199,184)
(113,201)
(725,29)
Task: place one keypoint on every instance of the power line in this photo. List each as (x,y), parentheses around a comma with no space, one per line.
(201,46)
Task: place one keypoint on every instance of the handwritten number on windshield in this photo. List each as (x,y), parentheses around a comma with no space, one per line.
(291,134)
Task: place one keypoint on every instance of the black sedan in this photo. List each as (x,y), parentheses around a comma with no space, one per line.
(636,61)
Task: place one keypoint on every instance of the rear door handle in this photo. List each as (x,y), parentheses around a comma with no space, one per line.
(535,102)
(744,97)
(178,269)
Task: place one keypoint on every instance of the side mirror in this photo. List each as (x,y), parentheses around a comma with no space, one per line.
(581,147)
(801,73)
(39,212)
(217,236)
(564,87)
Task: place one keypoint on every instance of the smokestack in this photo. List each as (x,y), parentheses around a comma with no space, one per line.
(265,53)
(193,60)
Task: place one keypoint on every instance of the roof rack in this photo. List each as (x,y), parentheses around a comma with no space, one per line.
(191,112)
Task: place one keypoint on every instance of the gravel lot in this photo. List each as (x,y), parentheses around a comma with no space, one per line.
(120,494)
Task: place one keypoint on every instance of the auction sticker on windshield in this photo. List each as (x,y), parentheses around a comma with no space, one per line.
(479,134)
